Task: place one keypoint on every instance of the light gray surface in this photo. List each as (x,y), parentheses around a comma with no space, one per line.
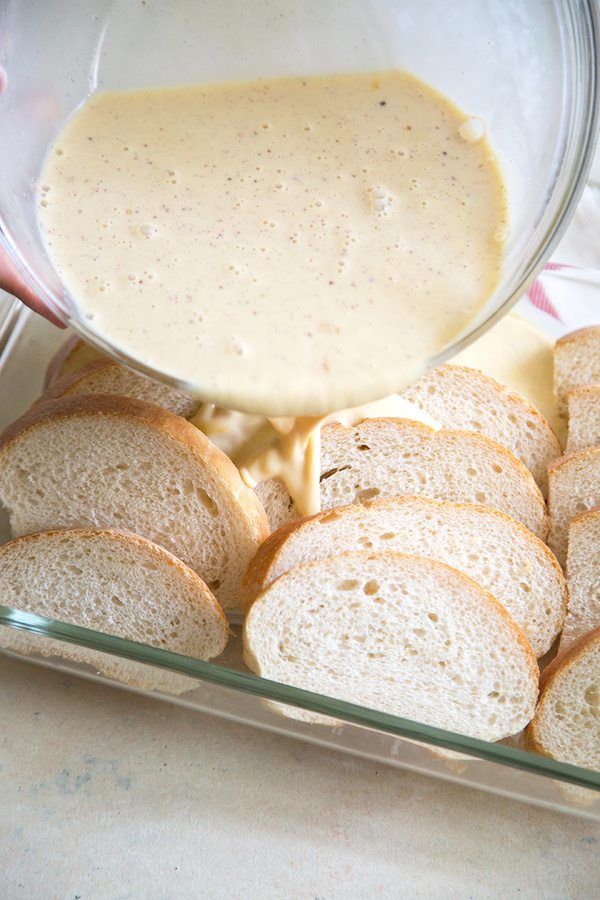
(109,795)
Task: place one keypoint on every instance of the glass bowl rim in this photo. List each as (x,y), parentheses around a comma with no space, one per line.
(584,20)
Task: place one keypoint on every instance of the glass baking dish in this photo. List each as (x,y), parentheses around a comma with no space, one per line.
(562,299)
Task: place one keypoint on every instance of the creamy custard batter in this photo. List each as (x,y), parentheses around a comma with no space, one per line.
(295,454)
(289,448)
(284,247)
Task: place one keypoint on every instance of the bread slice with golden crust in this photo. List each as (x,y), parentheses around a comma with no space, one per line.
(399,457)
(518,354)
(106,376)
(583,577)
(114,582)
(494,550)
(397,633)
(463,398)
(584,418)
(573,488)
(71,356)
(107,461)
(576,362)
(566,725)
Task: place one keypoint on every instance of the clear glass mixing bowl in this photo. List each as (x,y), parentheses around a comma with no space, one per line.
(528,69)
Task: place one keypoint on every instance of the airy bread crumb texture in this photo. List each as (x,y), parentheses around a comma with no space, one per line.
(493,549)
(573,488)
(583,578)
(113,462)
(584,418)
(398,457)
(393,457)
(576,362)
(466,399)
(113,582)
(517,354)
(279,506)
(401,634)
(106,376)
(566,725)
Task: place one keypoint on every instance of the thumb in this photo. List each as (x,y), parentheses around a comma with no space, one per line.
(11,281)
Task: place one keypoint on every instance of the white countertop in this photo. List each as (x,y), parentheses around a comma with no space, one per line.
(105,794)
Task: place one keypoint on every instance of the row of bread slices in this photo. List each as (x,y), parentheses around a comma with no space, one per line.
(384,621)
(567,721)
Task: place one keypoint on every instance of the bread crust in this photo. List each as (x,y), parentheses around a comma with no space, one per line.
(149,416)
(592,390)
(267,554)
(130,539)
(559,523)
(581,517)
(74,383)
(452,435)
(505,394)
(578,334)
(558,669)
(72,345)
(568,458)
(59,385)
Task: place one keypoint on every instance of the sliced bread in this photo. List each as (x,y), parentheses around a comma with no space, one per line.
(566,724)
(106,376)
(71,356)
(573,488)
(78,368)
(518,354)
(279,506)
(398,457)
(583,577)
(584,418)
(107,461)
(402,634)
(116,583)
(496,551)
(576,362)
(463,398)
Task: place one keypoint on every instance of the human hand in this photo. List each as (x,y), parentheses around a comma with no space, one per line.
(11,281)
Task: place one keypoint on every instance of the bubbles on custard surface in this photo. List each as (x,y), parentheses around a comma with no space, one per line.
(380,200)
(239,347)
(472,130)
(247,211)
